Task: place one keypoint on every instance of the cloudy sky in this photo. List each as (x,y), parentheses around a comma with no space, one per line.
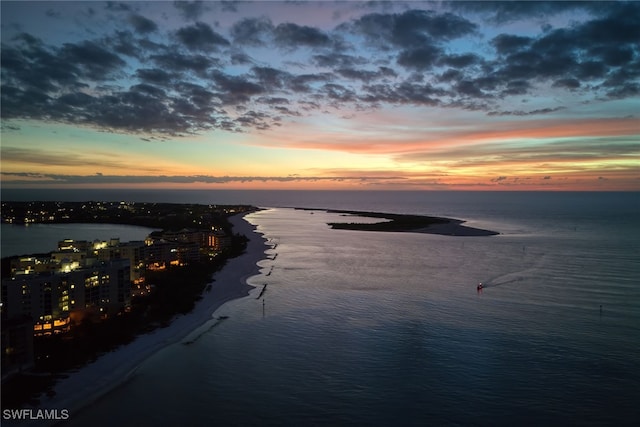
(321,95)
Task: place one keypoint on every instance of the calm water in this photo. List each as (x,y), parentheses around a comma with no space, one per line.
(365,328)
(42,238)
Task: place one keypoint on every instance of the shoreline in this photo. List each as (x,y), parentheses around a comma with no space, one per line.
(114,369)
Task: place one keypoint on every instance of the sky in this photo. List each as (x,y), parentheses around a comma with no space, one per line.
(321,95)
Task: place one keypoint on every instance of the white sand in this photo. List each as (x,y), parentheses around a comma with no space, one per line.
(454,227)
(112,369)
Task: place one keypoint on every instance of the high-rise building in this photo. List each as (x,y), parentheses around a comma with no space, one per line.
(52,300)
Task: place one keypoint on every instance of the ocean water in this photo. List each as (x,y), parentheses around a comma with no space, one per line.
(41,238)
(372,328)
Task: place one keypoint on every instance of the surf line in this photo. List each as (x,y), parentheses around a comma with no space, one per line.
(220,319)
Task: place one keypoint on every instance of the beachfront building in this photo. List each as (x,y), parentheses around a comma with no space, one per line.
(53,300)
(167,248)
(134,251)
(161,254)
(219,240)
(73,254)
(215,238)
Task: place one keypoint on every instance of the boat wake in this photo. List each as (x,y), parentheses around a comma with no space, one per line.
(491,284)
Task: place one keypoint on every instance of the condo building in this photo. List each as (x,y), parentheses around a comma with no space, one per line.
(54,300)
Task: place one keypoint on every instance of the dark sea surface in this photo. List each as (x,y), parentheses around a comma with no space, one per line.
(20,239)
(372,328)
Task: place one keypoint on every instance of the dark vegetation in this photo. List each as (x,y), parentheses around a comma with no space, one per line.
(397,222)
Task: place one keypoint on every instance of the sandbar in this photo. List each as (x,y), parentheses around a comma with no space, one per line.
(410,223)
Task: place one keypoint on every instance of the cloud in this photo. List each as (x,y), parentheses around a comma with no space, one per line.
(460,61)
(201,37)
(54,158)
(366,75)
(271,78)
(124,43)
(190,10)
(198,95)
(252,31)
(569,83)
(525,113)
(420,58)
(303,83)
(507,43)
(419,26)
(97,62)
(154,75)
(403,93)
(500,12)
(334,59)
(588,51)
(180,62)
(573,153)
(338,93)
(51,13)
(101,179)
(292,35)
(153,80)
(142,25)
(229,6)
(410,28)
(235,89)
(117,6)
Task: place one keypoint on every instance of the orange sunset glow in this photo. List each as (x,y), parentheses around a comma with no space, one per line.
(318,95)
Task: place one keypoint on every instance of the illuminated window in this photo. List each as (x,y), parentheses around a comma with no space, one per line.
(60,322)
(92,282)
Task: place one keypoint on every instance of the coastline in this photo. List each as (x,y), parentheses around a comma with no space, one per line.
(115,368)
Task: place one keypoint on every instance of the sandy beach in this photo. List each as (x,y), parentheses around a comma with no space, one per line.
(455,228)
(112,369)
